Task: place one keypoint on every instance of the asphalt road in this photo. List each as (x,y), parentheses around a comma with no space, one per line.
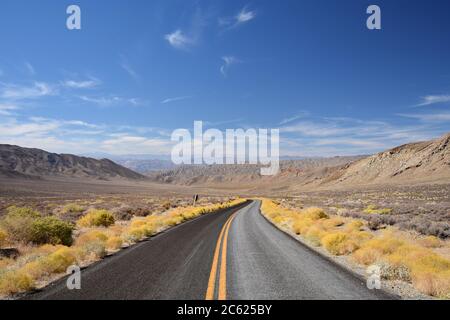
(233,254)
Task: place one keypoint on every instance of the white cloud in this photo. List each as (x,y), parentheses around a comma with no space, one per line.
(6,108)
(244,16)
(228,62)
(169,100)
(179,40)
(111,100)
(433,99)
(80,137)
(84,84)
(429,117)
(37,90)
(240,18)
(129,69)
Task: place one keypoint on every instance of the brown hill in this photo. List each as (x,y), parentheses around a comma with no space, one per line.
(427,161)
(421,162)
(18,162)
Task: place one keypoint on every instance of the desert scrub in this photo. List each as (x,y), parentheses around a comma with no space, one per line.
(401,257)
(72,208)
(26,225)
(96,218)
(18,223)
(372,209)
(15,282)
(3,236)
(52,231)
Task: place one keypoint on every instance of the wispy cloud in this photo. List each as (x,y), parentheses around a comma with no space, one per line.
(179,40)
(30,69)
(169,100)
(107,101)
(80,137)
(429,117)
(228,61)
(7,109)
(84,84)
(16,92)
(298,116)
(330,136)
(240,18)
(128,68)
(434,99)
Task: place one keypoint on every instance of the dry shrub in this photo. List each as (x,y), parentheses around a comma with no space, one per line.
(430,242)
(314,213)
(3,237)
(114,243)
(315,235)
(12,282)
(339,243)
(97,218)
(366,255)
(333,222)
(18,222)
(72,208)
(354,225)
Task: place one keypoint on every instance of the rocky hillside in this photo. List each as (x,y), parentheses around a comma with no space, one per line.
(18,162)
(421,162)
(414,162)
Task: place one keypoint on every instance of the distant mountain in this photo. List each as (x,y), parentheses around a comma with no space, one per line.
(18,162)
(421,162)
(146,166)
(242,173)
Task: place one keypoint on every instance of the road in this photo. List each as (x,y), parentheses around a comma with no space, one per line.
(233,254)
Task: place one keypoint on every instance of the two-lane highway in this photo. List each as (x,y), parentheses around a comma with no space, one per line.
(233,254)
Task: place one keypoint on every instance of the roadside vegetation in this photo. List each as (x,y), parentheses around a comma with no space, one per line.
(45,246)
(400,256)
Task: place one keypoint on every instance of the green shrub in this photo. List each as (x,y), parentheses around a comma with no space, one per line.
(18,223)
(51,230)
(97,218)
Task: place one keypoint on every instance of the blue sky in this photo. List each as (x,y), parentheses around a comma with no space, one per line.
(140,69)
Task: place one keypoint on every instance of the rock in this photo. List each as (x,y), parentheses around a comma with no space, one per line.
(11,253)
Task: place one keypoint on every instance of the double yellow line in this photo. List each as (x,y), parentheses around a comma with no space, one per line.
(222,241)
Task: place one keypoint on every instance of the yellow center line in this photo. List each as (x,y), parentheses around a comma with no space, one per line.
(223,264)
(213,273)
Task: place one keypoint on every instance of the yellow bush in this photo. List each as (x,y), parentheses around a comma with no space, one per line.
(3,237)
(339,243)
(97,218)
(114,243)
(431,242)
(315,235)
(372,209)
(60,260)
(15,282)
(91,236)
(301,225)
(333,222)
(434,284)
(72,208)
(366,256)
(354,225)
(315,213)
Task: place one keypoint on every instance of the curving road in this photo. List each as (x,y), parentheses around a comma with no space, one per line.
(232,254)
